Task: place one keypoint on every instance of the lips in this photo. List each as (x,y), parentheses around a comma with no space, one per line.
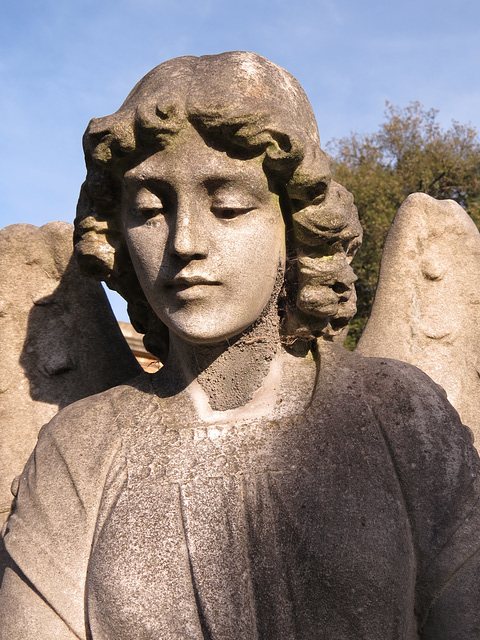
(190,288)
(183,282)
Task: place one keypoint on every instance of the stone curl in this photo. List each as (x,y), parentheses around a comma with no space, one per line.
(323,231)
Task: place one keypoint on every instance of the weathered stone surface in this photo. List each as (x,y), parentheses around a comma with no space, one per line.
(58,338)
(247,490)
(427,305)
(316,524)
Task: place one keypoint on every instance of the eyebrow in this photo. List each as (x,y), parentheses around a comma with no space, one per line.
(148,182)
(247,182)
(212,184)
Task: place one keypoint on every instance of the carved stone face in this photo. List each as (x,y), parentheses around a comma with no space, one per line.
(206,237)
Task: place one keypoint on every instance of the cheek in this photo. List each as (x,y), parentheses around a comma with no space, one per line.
(267,246)
(146,245)
(256,257)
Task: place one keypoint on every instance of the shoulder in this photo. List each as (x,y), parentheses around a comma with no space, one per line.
(377,373)
(62,482)
(76,448)
(81,435)
(112,402)
(399,394)
(429,449)
(96,421)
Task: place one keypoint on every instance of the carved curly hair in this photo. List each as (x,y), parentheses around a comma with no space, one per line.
(247,106)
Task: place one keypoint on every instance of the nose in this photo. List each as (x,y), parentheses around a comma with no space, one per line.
(189,234)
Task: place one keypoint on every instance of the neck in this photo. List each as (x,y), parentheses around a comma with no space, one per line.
(231,371)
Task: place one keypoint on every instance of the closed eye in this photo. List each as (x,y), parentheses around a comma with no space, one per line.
(148,212)
(228,213)
(148,204)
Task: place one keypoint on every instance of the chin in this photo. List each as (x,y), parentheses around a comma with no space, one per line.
(205,338)
(205,334)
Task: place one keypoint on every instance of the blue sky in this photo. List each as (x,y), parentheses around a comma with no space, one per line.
(65,61)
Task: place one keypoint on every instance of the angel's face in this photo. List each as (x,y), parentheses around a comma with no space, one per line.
(206,238)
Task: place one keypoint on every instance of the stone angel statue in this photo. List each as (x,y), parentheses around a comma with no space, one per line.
(264,483)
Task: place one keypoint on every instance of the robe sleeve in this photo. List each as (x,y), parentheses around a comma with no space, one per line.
(439,474)
(49,533)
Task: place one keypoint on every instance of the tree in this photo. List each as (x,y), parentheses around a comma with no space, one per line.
(410,152)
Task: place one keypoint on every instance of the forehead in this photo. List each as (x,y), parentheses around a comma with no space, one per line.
(187,158)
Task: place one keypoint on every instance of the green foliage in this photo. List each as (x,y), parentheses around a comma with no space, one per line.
(410,152)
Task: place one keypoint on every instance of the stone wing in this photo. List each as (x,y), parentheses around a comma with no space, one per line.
(59,340)
(427,304)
